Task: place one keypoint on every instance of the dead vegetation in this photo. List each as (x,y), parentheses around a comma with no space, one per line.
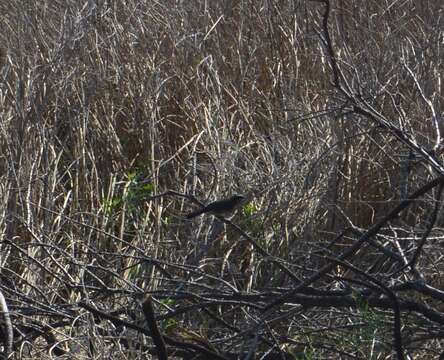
(117,115)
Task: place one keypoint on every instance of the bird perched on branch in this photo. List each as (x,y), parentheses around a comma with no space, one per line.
(220,207)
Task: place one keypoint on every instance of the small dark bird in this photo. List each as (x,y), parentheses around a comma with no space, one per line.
(219,207)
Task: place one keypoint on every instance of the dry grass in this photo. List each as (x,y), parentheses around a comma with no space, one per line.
(105,104)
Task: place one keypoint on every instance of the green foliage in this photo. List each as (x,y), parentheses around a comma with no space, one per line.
(110,206)
(249,209)
(134,192)
(252,223)
(168,302)
(169,326)
(365,336)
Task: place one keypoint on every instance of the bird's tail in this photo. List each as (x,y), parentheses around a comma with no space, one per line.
(195,213)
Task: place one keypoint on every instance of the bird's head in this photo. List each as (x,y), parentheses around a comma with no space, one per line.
(238,198)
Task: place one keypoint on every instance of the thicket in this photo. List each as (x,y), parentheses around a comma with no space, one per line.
(119,117)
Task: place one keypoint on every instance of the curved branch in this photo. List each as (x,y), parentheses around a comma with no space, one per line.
(364,238)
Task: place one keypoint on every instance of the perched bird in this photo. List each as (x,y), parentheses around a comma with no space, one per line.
(220,207)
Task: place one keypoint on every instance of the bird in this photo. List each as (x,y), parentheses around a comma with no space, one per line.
(219,207)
